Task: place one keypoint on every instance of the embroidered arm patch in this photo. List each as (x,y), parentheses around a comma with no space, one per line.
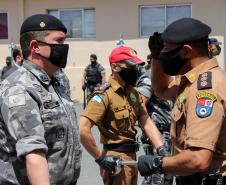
(16,100)
(204,105)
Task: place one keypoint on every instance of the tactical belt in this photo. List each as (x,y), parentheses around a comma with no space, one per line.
(122,147)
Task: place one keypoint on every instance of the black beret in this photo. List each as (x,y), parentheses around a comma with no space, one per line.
(185,30)
(41,22)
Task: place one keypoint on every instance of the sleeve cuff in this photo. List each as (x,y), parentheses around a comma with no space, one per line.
(29,144)
(200,144)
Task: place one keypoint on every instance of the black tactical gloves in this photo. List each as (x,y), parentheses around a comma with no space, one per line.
(148,165)
(107,162)
(155,44)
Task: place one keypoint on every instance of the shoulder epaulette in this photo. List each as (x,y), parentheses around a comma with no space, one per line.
(205,81)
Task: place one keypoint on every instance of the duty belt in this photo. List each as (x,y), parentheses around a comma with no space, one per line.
(122,147)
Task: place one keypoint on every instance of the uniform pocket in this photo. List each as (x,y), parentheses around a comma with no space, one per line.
(122,119)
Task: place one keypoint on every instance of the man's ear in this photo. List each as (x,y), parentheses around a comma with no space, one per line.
(34,46)
(115,67)
(187,51)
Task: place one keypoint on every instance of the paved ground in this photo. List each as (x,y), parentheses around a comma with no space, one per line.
(90,170)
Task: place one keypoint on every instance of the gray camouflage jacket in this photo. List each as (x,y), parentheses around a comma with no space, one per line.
(35,116)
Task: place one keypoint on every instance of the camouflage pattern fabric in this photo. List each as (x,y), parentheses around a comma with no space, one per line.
(160,113)
(33,116)
(63,85)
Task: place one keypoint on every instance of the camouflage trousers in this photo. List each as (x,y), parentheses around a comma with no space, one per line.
(158,179)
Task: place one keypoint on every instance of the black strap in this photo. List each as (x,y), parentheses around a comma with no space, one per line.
(122,147)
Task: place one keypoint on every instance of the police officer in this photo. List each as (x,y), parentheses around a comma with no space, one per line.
(17,57)
(159,111)
(39,134)
(114,109)
(214,47)
(198,117)
(8,69)
(94,75)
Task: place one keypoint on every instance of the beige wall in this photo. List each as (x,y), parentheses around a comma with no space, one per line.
(112,18)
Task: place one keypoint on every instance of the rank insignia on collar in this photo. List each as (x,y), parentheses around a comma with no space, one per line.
(133,97)
(204,105)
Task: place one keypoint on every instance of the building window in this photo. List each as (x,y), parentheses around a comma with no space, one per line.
(156,18)
(80,23)
(3,25)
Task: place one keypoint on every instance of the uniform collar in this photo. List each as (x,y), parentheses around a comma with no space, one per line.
(37,72)
(114,84)
(193,75)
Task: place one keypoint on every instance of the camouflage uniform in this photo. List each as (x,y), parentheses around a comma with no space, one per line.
(159,111)
(34,116)
(63,84)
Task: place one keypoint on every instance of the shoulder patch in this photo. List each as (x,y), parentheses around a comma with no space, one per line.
(204,105)
(16,100)
(97,98)
(205,81)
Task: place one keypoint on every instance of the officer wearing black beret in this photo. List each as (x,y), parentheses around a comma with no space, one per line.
(39,134)
(198,118)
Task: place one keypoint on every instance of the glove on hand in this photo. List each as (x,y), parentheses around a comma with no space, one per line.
(107,162)
(148,165)
(155,44)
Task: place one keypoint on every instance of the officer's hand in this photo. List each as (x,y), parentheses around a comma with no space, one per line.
(84,87)
(155,44)
(107,162)
(148,165)
(145,165)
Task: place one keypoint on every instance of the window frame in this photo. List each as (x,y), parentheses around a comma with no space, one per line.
(157,6)
(5,11)
(83,21)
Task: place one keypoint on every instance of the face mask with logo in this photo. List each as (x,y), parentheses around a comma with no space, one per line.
(58,54)
(129,76)
(171,62)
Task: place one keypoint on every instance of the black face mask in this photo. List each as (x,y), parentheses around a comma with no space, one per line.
(93,62)
(129,75)
(171,61)
(58,54)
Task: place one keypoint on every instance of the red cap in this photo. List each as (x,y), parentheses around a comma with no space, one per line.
(124,53)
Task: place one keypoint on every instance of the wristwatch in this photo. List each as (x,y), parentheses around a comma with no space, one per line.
(157,164)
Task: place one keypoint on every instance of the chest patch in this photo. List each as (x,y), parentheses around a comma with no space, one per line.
(133,97)
(204,105)
(51,105)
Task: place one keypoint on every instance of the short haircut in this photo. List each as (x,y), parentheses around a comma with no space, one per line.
(27,37)
(201,46)
(16,52)
(93,56)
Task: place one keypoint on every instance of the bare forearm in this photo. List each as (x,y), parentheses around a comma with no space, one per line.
(103,78)
(37,168)
(186,163)
(89,144)
(152,132)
